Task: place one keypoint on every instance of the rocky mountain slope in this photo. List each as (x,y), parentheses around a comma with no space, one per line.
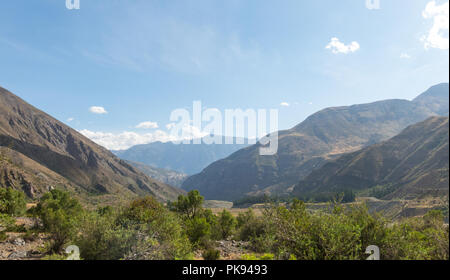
(321,137)
(411,165)
(170,177)
(69,159)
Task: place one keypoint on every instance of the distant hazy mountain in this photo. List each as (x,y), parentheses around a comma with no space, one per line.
(188,159)
(321,137)
(170,177)
(412,164)
(39,152)
(436,99)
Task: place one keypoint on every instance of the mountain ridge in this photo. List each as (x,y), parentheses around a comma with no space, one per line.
(409,165)
(184,158)
(89,167)
(307,146)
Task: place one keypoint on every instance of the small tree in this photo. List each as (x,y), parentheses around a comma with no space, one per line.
(226,224)
(190,205)
(12,202)
(60,215)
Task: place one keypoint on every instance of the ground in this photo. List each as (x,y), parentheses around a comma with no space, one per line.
(19,247)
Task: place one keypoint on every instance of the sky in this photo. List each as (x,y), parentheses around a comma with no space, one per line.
(115,70)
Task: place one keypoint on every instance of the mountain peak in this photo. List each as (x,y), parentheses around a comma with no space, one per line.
(439,90)
(87,168)
(435,98)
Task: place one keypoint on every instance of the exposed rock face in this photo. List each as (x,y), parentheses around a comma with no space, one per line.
(74,161)
(170,177)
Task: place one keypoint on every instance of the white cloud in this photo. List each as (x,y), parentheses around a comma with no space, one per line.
(337,46)
(169,126)
(127,139)
(284,104)
(98,110)
(405,55)
(70,119)
(436,35)
(147,125)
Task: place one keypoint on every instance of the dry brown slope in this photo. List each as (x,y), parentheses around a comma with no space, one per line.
(63,150)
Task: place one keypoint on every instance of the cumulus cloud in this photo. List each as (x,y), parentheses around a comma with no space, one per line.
(127,139)
(284,104)
(437,36)
(98,110)
(337,46)
(147,125)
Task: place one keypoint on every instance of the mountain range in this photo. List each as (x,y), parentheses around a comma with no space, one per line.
(413,164)
(185,158)
(39,152)
(323,136)
(167,176)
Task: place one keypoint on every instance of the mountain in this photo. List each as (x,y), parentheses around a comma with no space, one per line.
(410,165)
(321,137)
(167,176)
(184,158)
(39,152)
(436,98)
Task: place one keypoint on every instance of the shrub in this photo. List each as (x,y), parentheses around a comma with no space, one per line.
(7,222)
(225,224)
(60,215)
(250,227)
(345,233)
(12,202)
(253,257)
(198,229)
(101,239)
(190,206)
(3,236)
(143,230)
(424,238)
(211,254)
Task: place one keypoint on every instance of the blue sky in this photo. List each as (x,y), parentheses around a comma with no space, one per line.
(139,60)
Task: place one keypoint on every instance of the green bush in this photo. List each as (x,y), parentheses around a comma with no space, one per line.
(346,232)
(7,222)
(225,224)
(12,202)
(60,215)
(190,206)
(253,257)
(424,238)
(143,230)
(198,229)
(211,254)
(101,239)
(250,227)
(3,236)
